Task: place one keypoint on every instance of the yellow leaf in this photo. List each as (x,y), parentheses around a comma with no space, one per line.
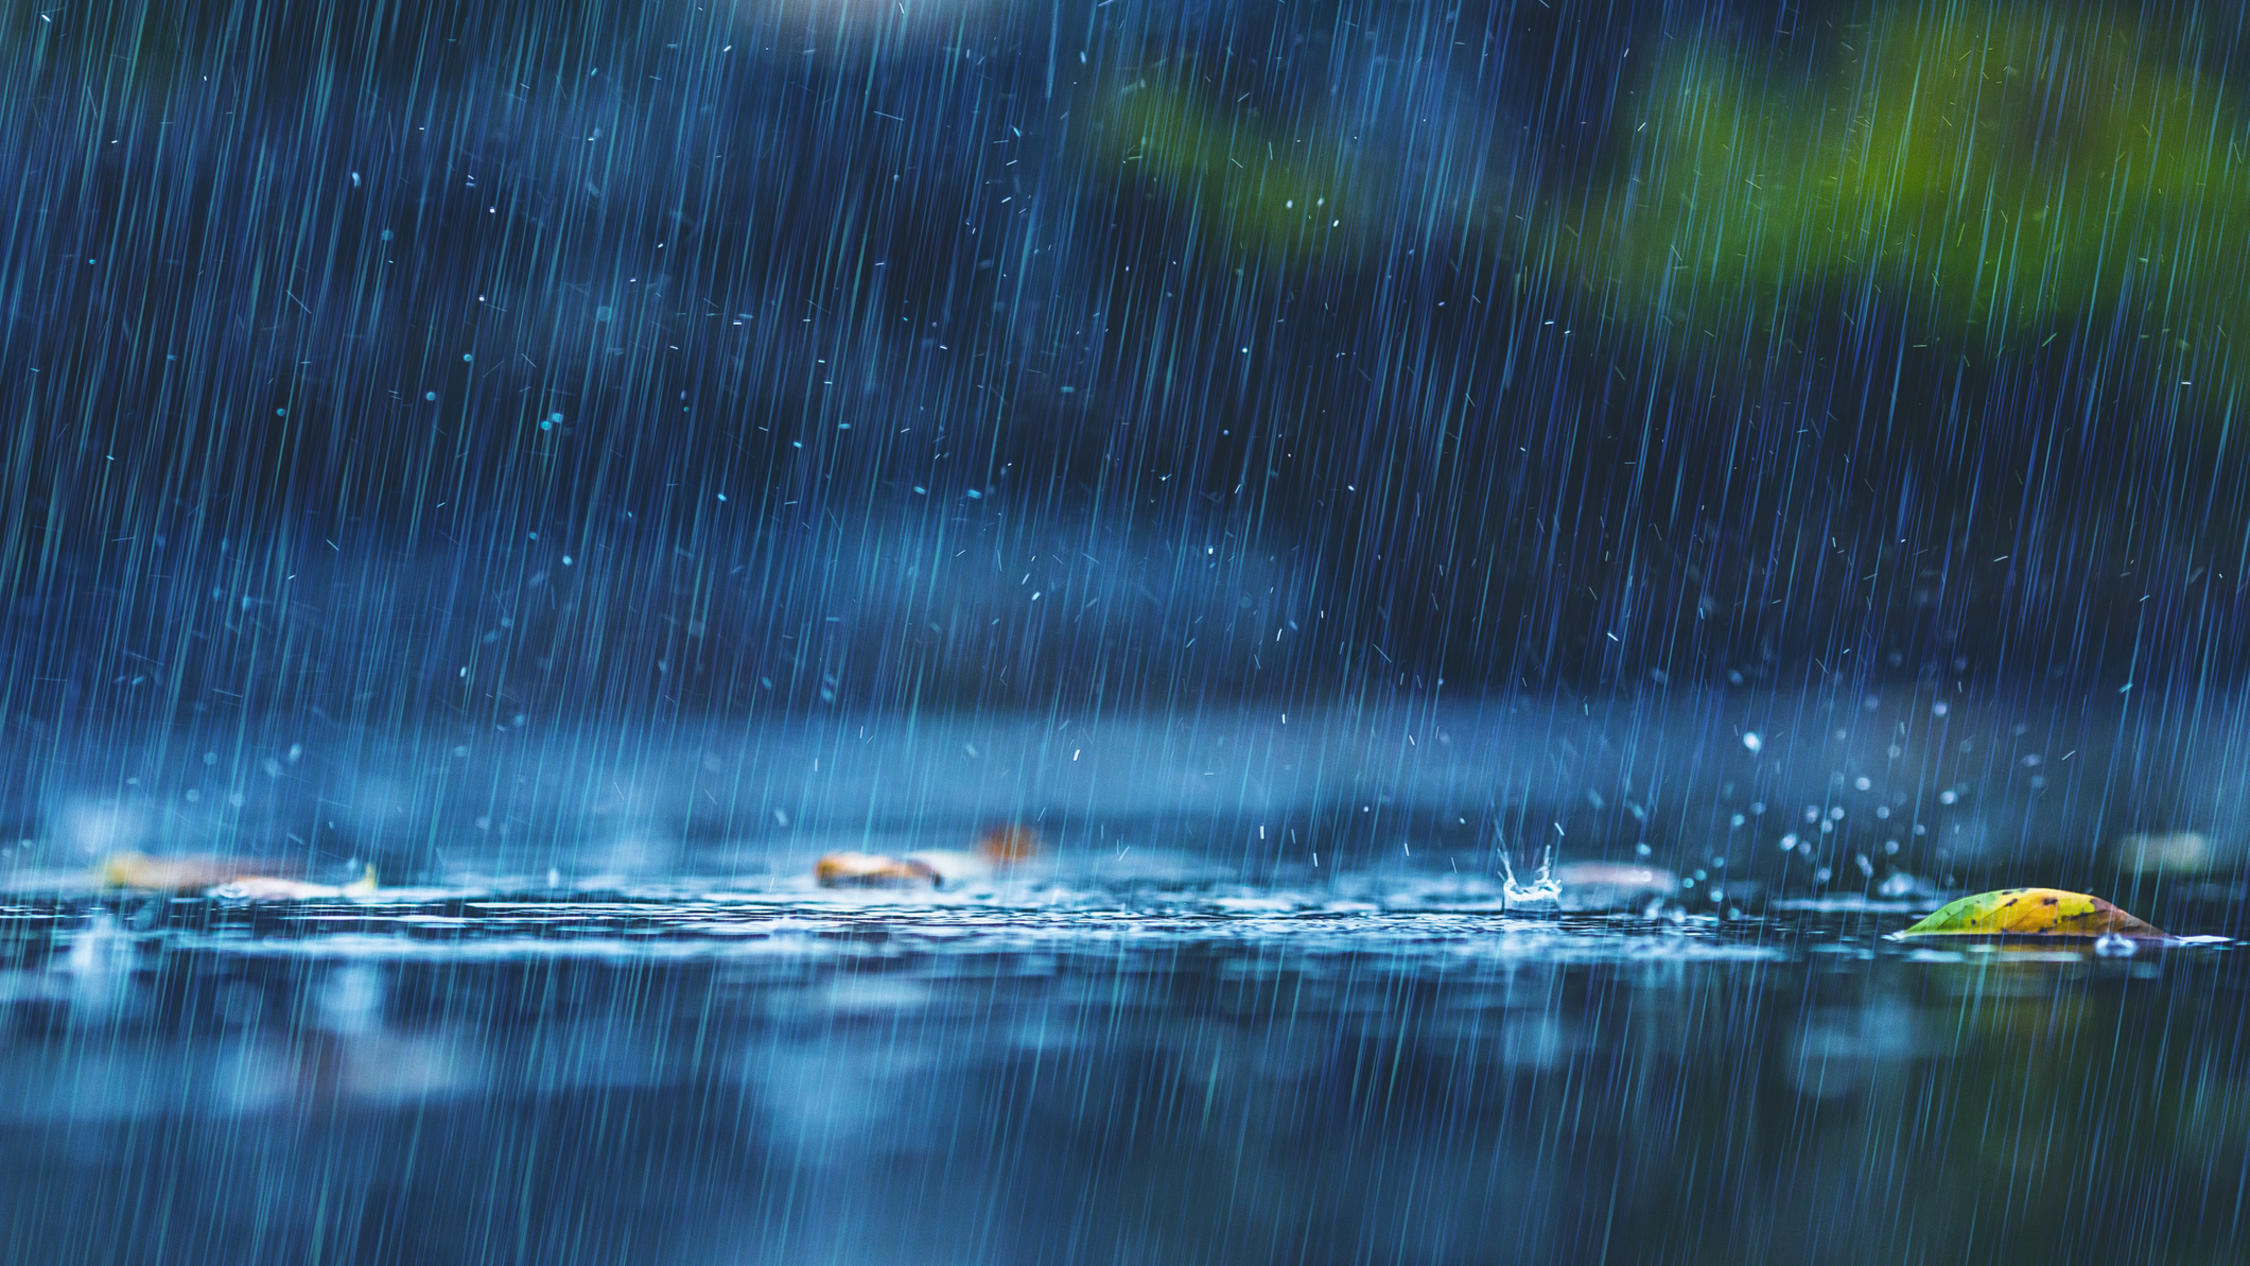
(2031,912)
(167,874)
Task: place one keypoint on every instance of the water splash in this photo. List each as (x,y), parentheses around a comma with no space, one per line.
(1544,889)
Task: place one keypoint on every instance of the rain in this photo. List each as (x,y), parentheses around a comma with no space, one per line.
(1188,631)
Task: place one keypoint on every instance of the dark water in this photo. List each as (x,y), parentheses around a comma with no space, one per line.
(1375,1069)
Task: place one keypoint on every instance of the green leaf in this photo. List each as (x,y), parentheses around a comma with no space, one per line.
(2032,912)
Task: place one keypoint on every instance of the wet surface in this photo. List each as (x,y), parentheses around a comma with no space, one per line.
(1376,1068)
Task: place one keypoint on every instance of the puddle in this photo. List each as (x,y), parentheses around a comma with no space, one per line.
(995,1074)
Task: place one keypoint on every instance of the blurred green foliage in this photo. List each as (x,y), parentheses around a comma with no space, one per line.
(1263,190)
(1997,172)
(2006,167)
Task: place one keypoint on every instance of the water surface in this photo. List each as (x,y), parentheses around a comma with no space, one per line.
(1376,1068)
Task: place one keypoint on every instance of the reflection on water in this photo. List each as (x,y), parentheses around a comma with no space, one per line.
(1158,1072)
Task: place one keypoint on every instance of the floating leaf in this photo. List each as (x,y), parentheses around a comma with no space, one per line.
(871,870)
(236,878)
(2033,912)
(269,888)
(168,874)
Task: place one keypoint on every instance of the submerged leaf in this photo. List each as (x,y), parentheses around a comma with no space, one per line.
(2032,912)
